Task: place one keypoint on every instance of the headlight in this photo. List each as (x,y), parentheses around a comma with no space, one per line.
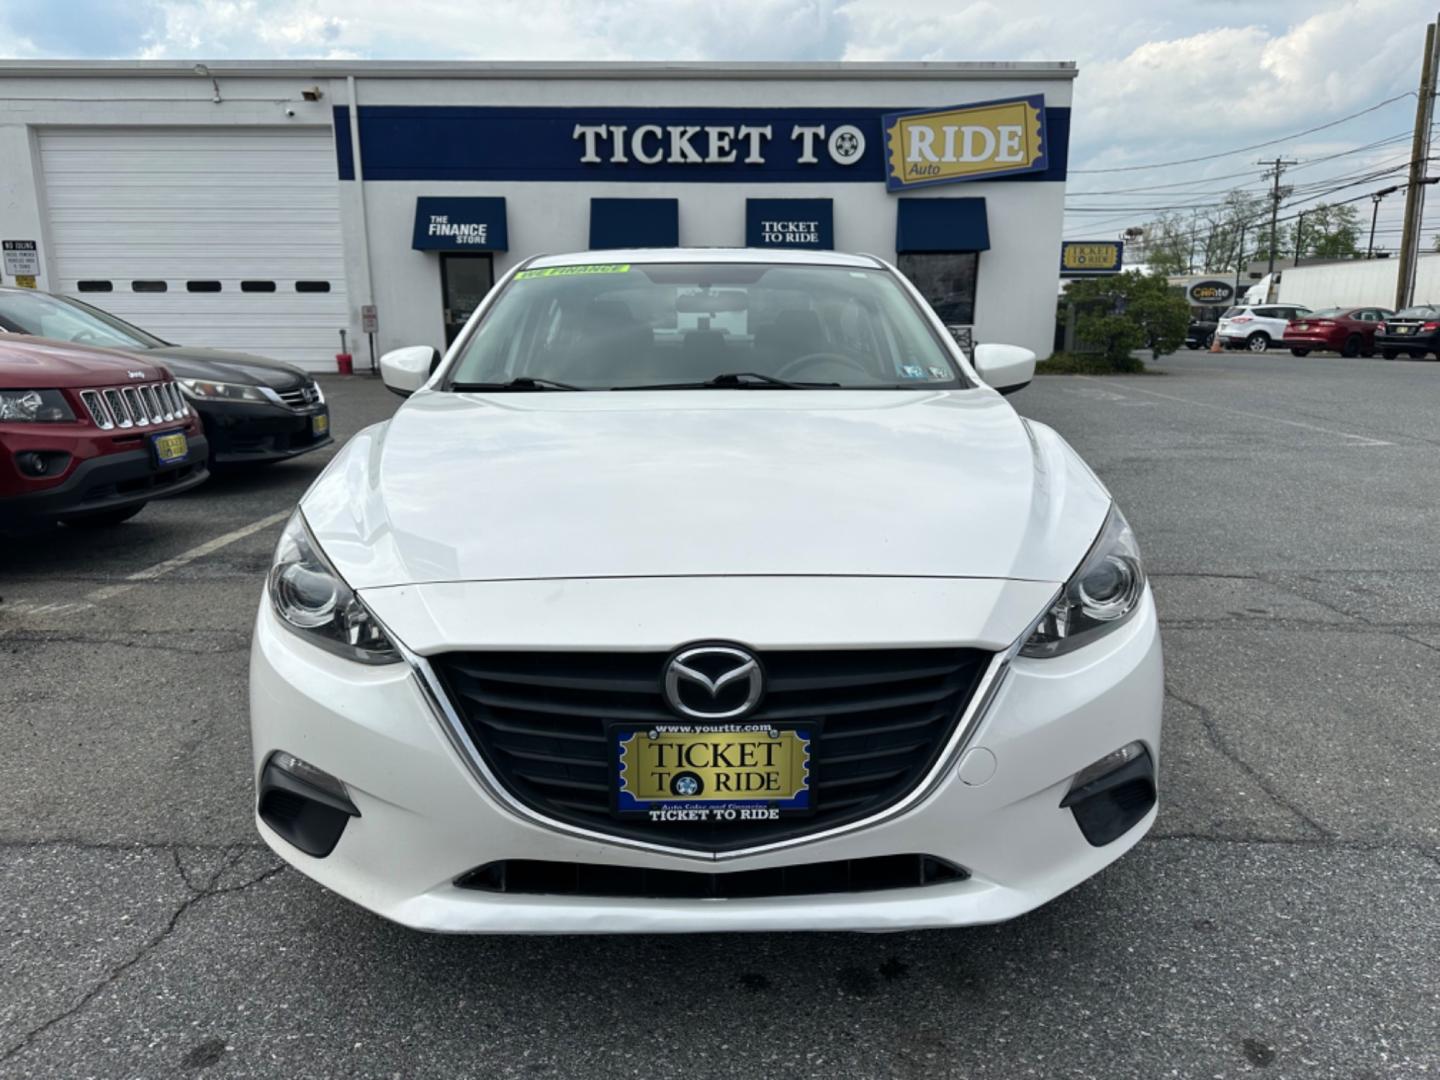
(1099,596)
(37,406)
(206,390)
(313,601)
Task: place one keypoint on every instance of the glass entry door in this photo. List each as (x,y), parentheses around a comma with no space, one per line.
(464,280)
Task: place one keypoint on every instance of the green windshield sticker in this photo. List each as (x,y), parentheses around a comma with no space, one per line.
(575,271)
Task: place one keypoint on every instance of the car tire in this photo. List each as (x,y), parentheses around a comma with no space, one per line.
(1352,346)
(103,520)
(1192,345)
(1299,352)
(1258,342)
(1417,354)
(1388,354)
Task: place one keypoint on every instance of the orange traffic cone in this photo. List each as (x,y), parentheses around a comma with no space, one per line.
(1215,342)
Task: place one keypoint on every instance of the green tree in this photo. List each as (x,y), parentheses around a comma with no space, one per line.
(1330,232)
(1124,312)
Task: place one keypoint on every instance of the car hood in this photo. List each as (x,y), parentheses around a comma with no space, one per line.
(220,366)
(465,487)
(31,362)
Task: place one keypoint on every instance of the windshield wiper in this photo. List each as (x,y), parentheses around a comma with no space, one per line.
(737,380)
(523,382)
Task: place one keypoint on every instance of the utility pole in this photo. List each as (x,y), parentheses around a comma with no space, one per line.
(1239,260)
(1414,191)
(1299,232)
(1374,213)
(1278,166)
(1194,222)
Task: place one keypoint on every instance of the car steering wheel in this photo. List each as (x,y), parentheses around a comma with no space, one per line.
(815,357)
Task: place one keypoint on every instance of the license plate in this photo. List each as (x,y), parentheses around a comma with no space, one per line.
(1402,329)
(732,772)
(319,424)
(171,447)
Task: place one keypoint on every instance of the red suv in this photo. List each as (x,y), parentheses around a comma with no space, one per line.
(88,436)
(1348,331)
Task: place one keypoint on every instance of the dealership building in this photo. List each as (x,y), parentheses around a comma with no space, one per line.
(266,206)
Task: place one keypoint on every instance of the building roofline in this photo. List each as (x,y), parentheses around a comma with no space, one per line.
(558,69)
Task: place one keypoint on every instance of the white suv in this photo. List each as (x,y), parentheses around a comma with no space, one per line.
(1257,327)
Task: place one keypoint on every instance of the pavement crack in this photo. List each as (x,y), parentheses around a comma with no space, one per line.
(210,891)
(1222,745)
(164,642)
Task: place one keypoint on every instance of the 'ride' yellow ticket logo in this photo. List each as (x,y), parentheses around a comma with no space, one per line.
(968,142)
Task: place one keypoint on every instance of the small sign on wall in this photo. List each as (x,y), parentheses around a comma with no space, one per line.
(21,260)
(369,319)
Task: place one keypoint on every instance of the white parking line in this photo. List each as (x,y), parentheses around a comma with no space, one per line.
(160,569)
(1359,440)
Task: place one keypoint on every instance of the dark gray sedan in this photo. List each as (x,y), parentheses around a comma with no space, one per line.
(254,410)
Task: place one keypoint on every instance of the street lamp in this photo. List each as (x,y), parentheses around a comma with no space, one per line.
(1374,213)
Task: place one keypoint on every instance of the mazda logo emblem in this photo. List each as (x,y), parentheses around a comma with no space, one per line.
(713,682)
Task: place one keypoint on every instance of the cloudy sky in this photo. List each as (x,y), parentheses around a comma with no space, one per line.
(1160,81)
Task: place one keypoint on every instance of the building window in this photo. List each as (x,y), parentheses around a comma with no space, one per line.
(148,286)
(947,280)
(257,286)
(202,286)
(95,286)
(312,286)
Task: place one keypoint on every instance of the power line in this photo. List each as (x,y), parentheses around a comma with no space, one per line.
(1253,146)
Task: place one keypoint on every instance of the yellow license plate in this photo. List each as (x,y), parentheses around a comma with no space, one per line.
(171,448)
(734,772)
(319,424)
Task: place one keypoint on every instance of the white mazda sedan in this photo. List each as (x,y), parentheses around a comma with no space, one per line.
(705,590)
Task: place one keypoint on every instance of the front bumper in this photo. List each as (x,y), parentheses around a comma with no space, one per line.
(251,434)
(425,819)
(112,482)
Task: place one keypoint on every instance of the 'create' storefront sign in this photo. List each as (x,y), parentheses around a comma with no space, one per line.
(1205,293)
(1085,258)
(1019,138)
(460,224)
(790,223)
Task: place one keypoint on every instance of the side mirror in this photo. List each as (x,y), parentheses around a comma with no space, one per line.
(406,370)
(1006,368)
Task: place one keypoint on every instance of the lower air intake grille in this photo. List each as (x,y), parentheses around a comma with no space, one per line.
(812,879)
(882,718)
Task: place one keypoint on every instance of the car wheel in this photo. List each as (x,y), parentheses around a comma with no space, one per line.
(1388,354)
(1192,345)
(1299,352)
(1417,354)
(1258,342)
(103,520)
(1351,346)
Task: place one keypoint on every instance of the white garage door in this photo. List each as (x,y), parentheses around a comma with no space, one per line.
(223,238)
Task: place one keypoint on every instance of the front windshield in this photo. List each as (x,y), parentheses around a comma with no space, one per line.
(625,326)
(68,320)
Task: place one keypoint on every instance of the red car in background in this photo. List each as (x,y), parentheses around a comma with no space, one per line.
(1350,331)
(88,436)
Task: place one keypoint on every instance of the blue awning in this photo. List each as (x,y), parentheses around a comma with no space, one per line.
(941,225)
(620,223)
(460,224)
(792,223)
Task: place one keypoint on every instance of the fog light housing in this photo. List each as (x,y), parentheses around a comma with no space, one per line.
(1110,796)
(303,804)
(42,462)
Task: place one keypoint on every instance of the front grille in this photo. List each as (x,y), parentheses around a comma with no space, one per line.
(145,405)
(535,877)
(301,397)
(882,718)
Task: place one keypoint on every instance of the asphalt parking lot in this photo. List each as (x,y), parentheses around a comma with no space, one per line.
(1281,920)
